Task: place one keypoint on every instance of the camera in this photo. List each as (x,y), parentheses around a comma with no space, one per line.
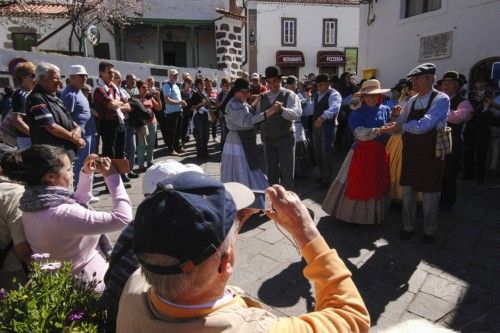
(262,201)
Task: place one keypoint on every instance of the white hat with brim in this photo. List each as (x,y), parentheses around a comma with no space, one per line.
(163,170)
(159,172)
(77,70)
(242,195)
(173,71)
(371,87)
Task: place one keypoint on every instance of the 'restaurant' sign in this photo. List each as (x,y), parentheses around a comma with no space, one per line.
(290,58)
(331,58)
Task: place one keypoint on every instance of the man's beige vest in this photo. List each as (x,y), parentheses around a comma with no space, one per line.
(136,314)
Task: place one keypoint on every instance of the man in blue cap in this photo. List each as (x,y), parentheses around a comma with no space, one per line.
(185,240)
(422,171)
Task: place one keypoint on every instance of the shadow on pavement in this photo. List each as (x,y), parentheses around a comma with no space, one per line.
(286,288)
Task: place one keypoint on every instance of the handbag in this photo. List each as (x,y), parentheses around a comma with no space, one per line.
(139,115)
(444,142)
(8,132)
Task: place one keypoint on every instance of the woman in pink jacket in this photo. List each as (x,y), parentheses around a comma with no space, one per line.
(57,220)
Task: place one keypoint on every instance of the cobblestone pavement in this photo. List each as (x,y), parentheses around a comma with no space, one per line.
(453,282)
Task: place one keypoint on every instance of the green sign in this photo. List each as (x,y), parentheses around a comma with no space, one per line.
(351,59)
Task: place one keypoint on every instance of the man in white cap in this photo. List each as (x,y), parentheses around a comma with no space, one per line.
(78,106)
(171,125)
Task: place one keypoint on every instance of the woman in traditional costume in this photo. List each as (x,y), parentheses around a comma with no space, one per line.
(361,192)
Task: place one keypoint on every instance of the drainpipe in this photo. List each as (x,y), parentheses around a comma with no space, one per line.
(246,34)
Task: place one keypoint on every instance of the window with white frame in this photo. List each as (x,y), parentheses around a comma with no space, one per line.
(288,31)
(329,32)
(416,7)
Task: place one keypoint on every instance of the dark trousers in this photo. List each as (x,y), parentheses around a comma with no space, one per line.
(186,118)
(280,160)
(173,122)
(476,145)
(451,168)
(223,132)
(202,126)
(113,139)
(213,126)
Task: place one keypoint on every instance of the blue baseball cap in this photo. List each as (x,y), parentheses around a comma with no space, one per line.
(187,218)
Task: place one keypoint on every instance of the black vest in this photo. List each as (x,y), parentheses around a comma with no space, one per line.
(322,105)
(276,126)
(39,135)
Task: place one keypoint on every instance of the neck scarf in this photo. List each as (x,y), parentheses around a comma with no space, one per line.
(36,198)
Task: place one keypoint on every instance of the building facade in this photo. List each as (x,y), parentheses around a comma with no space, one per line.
(302,37)
(181,33)
(396,35)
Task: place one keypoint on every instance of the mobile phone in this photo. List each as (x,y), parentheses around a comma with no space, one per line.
(262,201)
(121,165)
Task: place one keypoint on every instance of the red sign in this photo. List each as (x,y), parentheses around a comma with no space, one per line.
(290,58)
(331,58)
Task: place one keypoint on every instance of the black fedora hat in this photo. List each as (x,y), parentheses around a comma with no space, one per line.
(322,78)
(272,72)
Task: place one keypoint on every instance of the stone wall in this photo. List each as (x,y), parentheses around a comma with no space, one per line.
(229,45)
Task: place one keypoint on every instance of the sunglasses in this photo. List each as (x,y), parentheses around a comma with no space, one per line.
(32,76)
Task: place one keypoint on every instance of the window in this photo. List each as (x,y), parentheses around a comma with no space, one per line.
(416,7)
(101,51)
(329,32)
(23,41)
(288,31)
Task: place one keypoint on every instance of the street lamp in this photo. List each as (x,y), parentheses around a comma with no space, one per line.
(252,39)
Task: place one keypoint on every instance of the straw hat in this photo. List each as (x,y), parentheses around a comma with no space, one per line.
(371,87)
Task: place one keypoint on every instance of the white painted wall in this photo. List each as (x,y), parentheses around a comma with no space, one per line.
(60,40)
(309,31)
(141,70)
(391,44)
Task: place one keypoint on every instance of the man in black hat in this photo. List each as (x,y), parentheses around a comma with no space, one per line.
(278,130)
(185,239)
(421,171)
(460,111)
(327,103)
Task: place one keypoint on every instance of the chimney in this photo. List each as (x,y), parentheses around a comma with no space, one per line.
(232,6)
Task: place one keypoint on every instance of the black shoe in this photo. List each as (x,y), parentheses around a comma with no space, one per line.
(132,175)
(427,239)
(125,178)
(406,235)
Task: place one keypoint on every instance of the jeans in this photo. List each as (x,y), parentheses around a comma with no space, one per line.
(147,145)
(23,142)
(90,148)
(130,145)
(202,126)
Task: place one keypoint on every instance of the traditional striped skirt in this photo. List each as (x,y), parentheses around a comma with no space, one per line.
(235,168)
(337,204)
